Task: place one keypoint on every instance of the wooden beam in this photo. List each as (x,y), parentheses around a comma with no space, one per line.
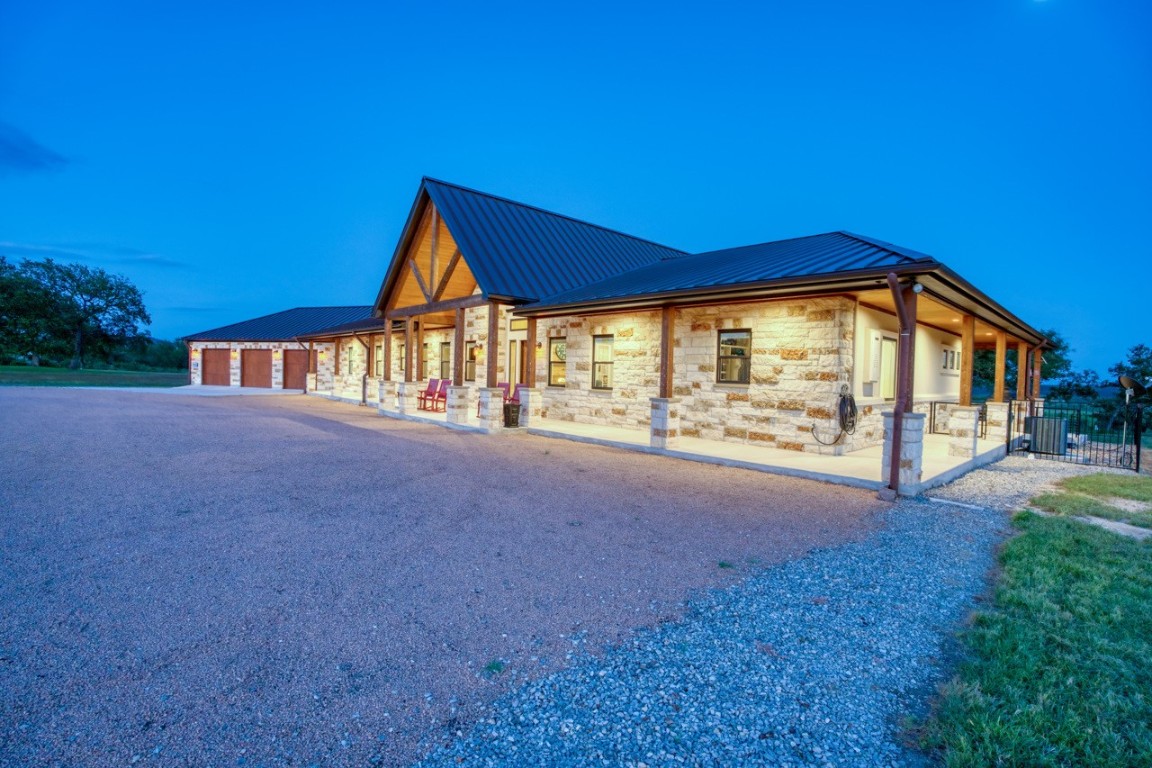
(419,279)
(1021,371)
(435,245)
(667,345)
(464,302)
(530,374)
(458,350)
(408,345)
(1001,359)
(967,357)
(447,275)
(493,359)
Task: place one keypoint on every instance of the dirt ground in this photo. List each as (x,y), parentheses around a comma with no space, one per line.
(291,581)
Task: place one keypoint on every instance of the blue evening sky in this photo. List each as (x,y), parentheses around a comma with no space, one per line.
(238,158)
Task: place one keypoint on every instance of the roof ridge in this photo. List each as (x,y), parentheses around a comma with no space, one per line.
(770,242)
(899,250)
(538,209)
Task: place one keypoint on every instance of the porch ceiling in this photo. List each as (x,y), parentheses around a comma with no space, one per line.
(932,311)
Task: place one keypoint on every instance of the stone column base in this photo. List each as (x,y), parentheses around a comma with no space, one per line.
(491,409)
(406,392)
(530,400)
(665,423)
(963,429)
(386,397)
(459,401)
(997,422)
(911,452)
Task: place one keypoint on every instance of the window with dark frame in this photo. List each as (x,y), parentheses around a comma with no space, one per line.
(469,361)
(379,358)
(734,356)
(557,362)
(404,360)
(445,359)
(602,361)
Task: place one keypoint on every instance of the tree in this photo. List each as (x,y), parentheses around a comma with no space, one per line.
(31,322)
(93,305)
(1137,365)
(1084,385)
(1057,364)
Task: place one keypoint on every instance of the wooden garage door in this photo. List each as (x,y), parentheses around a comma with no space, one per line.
(217,367)
(295,368)
(256,368)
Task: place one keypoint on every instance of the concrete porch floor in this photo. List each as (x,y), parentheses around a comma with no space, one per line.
(861,469)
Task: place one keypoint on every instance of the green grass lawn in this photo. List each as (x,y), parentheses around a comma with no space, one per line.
(1059,671)
(33,376)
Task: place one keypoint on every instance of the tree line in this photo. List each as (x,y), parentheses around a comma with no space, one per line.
(75,315)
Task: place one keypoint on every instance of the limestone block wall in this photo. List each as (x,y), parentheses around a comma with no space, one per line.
(635,369)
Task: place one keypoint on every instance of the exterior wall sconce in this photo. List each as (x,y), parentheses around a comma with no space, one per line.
(235,354)
(276,353)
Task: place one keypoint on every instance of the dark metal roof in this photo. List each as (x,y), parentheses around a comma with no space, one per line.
(833,253)
(284,326)
(367,324)
(522,253)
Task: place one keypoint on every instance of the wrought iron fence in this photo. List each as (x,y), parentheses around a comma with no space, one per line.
(1104,433)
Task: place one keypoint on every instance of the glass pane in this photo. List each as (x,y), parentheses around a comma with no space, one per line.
(557,376)
(557,351)
(735,369)
(602,376)
(519,324)
(602,349)
(736,343)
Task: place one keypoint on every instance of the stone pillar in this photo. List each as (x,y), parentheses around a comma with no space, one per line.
(997,422)
(310,382)
(911,451)
(406,392)
(491,409)
(387,395)
(529,406)
(963,428)
(459,400)
(665,427)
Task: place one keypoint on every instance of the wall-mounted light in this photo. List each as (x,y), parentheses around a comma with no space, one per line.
(276,353)
(235,354)
(195,353)
(917,288)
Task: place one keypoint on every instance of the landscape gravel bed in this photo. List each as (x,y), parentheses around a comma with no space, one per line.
(288,581)
(1011,482)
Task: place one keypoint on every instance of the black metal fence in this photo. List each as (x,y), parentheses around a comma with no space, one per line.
(1106,433)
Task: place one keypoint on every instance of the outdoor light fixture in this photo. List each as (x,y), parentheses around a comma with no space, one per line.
(235,354)
(917,288)
(276,353)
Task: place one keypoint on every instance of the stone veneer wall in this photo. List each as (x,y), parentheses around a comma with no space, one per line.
(196,368)
(802,353)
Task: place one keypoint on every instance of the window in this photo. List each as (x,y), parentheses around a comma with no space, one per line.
(734,357)
(602,362)
(557,367)
(348,352)
(518,324)
(379,358)
(445,359)
(404,360)
(469,361)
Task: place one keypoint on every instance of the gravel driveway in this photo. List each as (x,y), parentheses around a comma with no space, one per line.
(273,581)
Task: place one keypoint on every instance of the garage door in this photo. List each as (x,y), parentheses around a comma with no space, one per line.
(217,367)
(256,368)
(295,368)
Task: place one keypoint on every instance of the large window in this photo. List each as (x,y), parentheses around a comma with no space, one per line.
(734,357)
(602,362)
(445,359)
(469,361)
(557,366)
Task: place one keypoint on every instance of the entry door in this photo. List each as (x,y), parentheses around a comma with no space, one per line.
(888,368)
(517,361)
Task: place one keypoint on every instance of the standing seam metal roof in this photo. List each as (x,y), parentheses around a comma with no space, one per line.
(519,251)
(283,326)
(812,256)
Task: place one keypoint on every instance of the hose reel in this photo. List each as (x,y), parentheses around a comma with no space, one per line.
(846,415)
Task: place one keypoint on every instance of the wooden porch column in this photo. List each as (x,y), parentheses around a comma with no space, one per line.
(1001,359)
(967,357)
(458,351)
(1021,371)
(530,374)
(387,351)
(419,351)
(409,336)
(1037,363)
(667,330)
(493,359)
